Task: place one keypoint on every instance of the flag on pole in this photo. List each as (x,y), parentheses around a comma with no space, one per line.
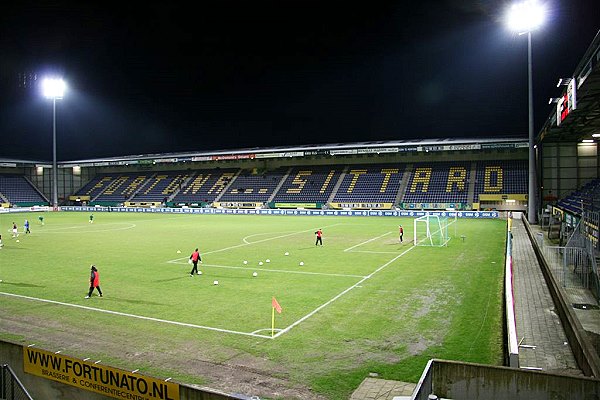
(276,305)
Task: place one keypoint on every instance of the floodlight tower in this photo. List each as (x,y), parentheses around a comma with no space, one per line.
(523,18)
(54,88)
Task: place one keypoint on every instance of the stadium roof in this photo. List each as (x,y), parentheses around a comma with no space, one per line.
(377,147)
(584,121)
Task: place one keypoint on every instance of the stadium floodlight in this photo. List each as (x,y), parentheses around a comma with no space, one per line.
(526,16)
(54,89)
(523,18)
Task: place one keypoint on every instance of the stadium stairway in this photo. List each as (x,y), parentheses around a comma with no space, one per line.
(280,184)
(237,173)
(403,183)
(338,184)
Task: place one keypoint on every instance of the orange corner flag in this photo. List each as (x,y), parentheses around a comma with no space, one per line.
(276,305)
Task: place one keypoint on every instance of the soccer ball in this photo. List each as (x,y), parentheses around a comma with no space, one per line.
(245,262)
(199,272)
(215,282)
(178,251)
(17,240)
(260,263)
(267,260)
(301,263)
(287,254)
(254,274)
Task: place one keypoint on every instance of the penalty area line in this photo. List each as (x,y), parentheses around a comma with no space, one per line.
(366,241)
(164,321)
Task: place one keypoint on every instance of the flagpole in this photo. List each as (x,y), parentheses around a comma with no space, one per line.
(272,321)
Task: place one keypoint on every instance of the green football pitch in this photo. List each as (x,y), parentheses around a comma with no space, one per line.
(362,303)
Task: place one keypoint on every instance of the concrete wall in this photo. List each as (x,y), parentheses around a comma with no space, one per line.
(458,381)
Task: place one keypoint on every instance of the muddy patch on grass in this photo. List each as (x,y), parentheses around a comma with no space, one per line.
(241,373)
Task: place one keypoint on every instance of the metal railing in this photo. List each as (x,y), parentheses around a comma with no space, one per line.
(11,387)
(571,266)
(575,265)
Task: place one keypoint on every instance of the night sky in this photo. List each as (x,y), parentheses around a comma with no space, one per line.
(168,77)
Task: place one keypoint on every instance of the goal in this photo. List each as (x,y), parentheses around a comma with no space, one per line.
(431,230)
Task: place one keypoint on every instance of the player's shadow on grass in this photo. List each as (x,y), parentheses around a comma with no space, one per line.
(22,284)
(132,301)
(173,279)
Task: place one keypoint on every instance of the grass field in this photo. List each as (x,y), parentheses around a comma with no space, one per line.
(361,303)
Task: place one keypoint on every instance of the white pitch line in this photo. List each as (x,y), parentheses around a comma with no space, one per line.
(357,284)
(58,230)
(367,241)
(374,252)
(245,239)
(136,316)
(278,270)
(247,244)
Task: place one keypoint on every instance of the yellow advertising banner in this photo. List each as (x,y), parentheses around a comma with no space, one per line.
(500,197)
(295,205)
(86,375)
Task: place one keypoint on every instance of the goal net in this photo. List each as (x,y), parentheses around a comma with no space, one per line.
(431,230)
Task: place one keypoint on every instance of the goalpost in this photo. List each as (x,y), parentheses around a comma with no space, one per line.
(431,230)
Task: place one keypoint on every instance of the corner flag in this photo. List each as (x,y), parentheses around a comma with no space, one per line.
(276,305)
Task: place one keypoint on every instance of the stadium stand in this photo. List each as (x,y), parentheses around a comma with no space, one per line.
(372,183)
(309,184)
(586,198)
(501,177)
(122,187)
(161,186)
(407,185)
(16,189)
(440,182)
(204,186)
(95,186)
(251,186)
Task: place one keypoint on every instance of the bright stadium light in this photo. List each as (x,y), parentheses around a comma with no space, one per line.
(54,89)
(523,18)
(526,16)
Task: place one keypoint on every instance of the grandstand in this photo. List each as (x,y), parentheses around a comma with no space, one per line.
(203,187)
(446,182)
(379,183)
(390,175)
(18,190)
(311,184)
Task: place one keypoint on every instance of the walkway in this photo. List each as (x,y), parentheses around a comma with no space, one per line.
(543,343)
